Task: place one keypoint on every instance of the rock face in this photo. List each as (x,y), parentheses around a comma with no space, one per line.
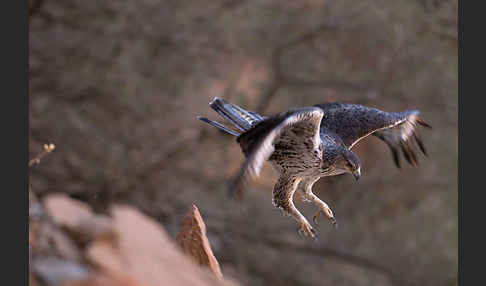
(137,251)
(144,251)
(77,218)
(194,242)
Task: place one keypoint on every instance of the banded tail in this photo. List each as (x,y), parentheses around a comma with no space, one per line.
(241,119)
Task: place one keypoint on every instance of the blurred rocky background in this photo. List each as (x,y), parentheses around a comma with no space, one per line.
(117,86)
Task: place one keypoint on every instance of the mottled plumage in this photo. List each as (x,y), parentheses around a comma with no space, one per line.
(305,144)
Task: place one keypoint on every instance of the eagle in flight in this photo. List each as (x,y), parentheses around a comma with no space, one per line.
(307,143)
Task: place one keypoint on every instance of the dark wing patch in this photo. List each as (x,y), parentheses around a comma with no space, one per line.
(258,143)
(405,137)
(352,122)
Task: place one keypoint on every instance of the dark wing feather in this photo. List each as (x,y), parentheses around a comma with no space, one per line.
(402,137)
(258,143)
(353,122)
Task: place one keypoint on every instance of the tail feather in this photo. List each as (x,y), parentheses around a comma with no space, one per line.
(219,125)
(248,116)
(226,113)
(239,117)
(257,116)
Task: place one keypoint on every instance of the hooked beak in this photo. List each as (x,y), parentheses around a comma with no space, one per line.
(357,173)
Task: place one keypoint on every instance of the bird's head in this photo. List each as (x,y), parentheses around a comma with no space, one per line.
(349,163)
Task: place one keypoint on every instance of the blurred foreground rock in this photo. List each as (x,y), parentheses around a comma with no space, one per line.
(77,218)
(72,246)
(194,242)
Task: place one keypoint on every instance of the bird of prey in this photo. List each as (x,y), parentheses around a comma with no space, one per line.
(307,143)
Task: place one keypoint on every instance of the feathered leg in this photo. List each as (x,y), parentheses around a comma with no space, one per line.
(323,207)
(283,192)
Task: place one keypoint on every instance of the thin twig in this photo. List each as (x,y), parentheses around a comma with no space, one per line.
(48,148)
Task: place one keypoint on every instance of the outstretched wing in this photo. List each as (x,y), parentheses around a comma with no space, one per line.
(258,143)
(353,122)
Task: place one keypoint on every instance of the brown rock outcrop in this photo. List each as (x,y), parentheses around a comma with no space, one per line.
(143,250)
(194,242)
(137,251)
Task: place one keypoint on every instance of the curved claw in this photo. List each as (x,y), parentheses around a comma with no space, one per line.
(306,230)
(331,219)
(334,222)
